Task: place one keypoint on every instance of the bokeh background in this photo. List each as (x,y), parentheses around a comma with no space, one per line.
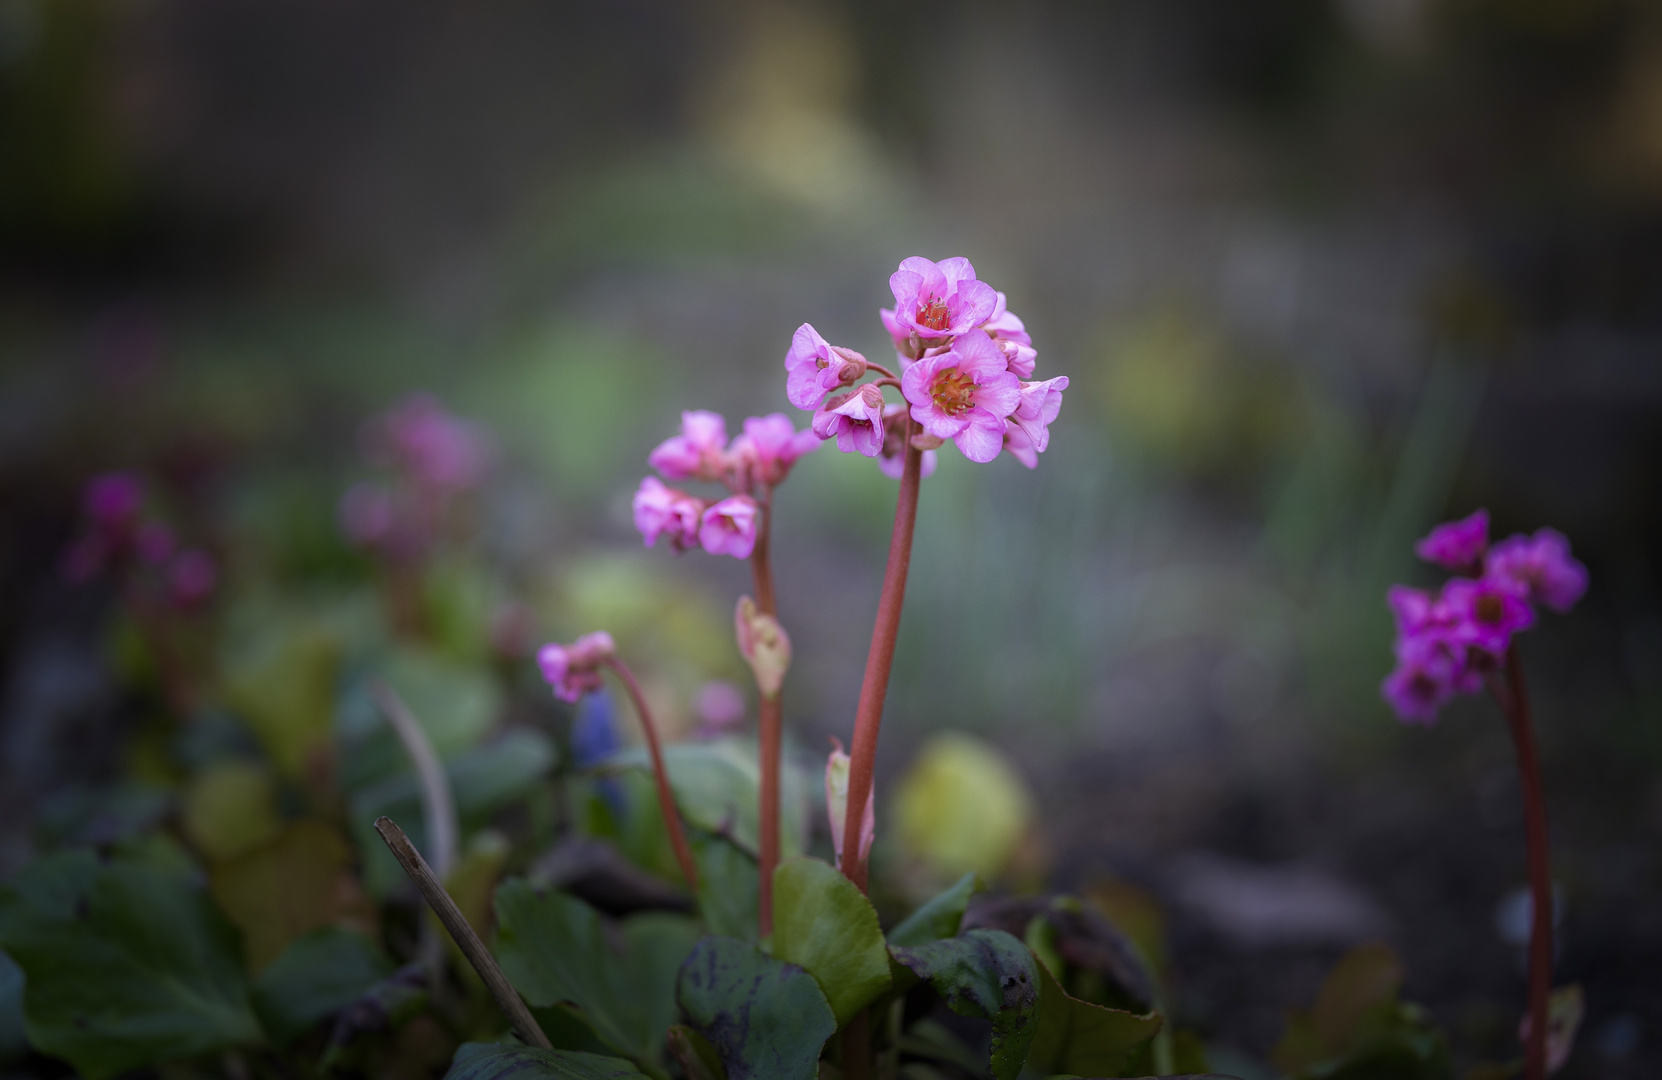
(1321,272)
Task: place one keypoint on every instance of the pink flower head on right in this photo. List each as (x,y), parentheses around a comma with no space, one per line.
(1456,545)
(698,453)
(964,394)
(940,300)
(574,670)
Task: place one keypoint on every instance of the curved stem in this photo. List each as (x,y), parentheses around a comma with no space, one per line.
(769,736)
(889,381)
(881,370)
(1516,707)
(666,797)
(874,686)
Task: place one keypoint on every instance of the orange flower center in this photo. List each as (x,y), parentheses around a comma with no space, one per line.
(953,392)
(933,314)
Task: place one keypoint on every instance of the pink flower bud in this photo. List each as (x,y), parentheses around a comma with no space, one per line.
(1456,545)
(836,804)
(814,366)
(729,527)
(574,670)
(855,419)
(764,645)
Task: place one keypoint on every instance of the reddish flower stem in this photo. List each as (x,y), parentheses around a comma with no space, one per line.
(874,686)
(770,736)
(1515,704)
(666,797)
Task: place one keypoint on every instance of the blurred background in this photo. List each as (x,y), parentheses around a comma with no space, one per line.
(1322,273)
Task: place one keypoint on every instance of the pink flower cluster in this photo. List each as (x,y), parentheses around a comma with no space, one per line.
(120,537)
(574,670)
(966,361)
(434,455)
(1446,644)
(751,465)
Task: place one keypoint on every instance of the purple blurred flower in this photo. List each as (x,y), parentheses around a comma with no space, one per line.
(768,448)
(1539,568)
(719,706)
(434,447)
(698,453)
(112,501)
(1485,614)
(1456,545)
(574,670)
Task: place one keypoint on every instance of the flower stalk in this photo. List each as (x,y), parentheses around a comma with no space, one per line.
(1515,704)
(770,735)
(874,686)
(666,797)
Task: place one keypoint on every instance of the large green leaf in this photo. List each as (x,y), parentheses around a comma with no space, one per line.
(727,880)
(824,924)
(511,1061)
(316,976)
(553,949)
(1079,1038)
(938,917)
(990,975)
(126,964)
(767,1019)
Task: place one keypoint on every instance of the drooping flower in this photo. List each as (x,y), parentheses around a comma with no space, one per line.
(1539,568)
(768,448)
(729,527)
(940,300)
(661,510)
(1010,335)
(698,453)
(574,670)
(1456,545)
(1037,410)
(964,394)
(1427,677)
(1485,614)
(836,803)
(815,367)
(1019,446)
(855,419)
(893,459)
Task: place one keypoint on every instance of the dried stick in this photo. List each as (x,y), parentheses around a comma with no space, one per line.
(524,1024)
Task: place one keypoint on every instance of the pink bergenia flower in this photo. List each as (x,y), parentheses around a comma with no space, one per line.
(1010,335)
(1417,611)
(768,448)
(1539,568)
(1485,614)
(893,459)
(191,577)
(729,527)
(574,670)
(664,511)
(698,453)
(1456,545)
(964,394)
(940,300)
(1428,675)
(814,367)
(855,419)
(112,501)
(1019,446)
(436,448)
(1040,402)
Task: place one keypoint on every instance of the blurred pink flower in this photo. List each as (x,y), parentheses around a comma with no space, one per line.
(719,706)
(574,670)
(698,453)
(367,515)
(434,447)
(815,367)
(191,577)
(664,511)
(112,501)
(1485,614)
(768,448)
(1456,545)
(729,527)
(1539,568)
(1428,674)
(939,300)
(855,419)
(964,394)
(1037,410)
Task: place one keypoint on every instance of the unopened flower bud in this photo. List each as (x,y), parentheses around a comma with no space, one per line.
(925,441)
(764,645)
(836,803)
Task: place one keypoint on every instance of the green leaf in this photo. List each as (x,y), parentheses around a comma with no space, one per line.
(938,917)
(990,975)
(553,949)
(317,975)
(824,924)
(766,1018)
(299,882)
(695,1054)
(727,879)
(1078,1037)
(715,786)
(511,1061)
(126,964)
